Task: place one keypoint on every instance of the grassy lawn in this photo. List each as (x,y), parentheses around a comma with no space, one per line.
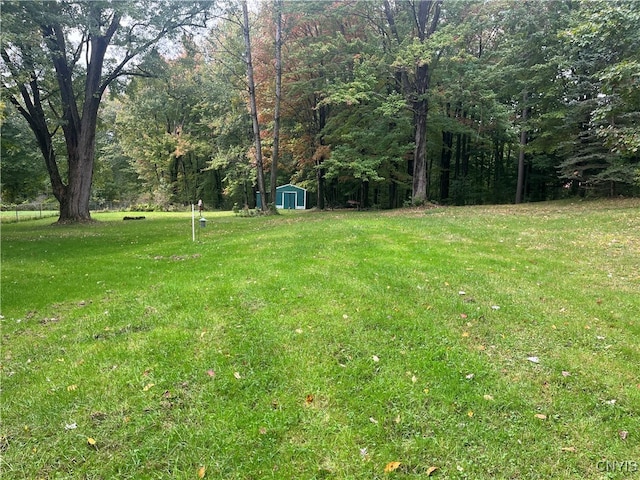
(10,216)
(478,342)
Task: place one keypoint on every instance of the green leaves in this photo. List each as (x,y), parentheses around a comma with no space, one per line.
(359,90)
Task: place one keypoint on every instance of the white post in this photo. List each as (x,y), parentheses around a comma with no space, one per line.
(193,222)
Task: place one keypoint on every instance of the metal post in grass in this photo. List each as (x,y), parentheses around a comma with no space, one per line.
(193,222)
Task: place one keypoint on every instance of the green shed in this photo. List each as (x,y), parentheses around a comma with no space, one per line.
(288,197)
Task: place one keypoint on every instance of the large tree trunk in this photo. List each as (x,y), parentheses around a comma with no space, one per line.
(419,195)
(254,108)
(80,135)
(74,203)
(79,128)
(426,14)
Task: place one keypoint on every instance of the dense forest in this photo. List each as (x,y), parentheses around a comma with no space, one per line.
(379,103)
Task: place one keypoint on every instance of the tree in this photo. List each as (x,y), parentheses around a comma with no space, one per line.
(59,57)
(275,155)
(601,46)
(415,62)
(253,105)
(163,127)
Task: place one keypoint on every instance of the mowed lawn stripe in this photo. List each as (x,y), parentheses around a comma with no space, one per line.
(489,342)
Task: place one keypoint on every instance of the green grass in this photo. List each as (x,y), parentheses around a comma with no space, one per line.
(325,345)
(10,216)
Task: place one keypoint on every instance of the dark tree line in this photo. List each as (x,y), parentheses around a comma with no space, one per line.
(381,103)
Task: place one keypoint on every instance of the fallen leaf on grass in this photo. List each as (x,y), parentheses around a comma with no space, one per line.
(376,358)
(71,426)
(566,374)
(373,420)
(308,400)
(569,449)
(541,416)
(202,471)
(470,413)
(623,434)
(533,359)
(391,467)
(211,373)
(91,442)
(430,470)
(71,388)
(148,386)
(488,397)
(237,375)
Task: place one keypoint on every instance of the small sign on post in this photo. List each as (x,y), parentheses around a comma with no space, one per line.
(203,222)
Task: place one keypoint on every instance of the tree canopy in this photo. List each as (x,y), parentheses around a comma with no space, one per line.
(381,103)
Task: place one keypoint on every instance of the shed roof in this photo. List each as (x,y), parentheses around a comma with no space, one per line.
(291,185)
